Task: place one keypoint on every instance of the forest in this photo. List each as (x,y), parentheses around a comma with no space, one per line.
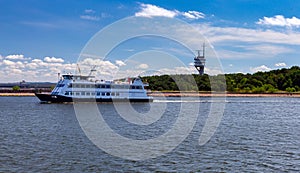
(285,79)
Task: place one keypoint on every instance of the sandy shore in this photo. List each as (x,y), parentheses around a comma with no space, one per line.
(17,94)
(182,94)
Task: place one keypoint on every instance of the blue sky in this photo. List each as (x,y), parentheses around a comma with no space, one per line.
(41,38)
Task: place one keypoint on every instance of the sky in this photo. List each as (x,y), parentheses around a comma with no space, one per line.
(39,39)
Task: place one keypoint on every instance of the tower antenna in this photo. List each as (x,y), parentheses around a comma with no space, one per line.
(199,61)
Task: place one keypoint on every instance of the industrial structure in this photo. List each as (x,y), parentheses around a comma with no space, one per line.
(199,61)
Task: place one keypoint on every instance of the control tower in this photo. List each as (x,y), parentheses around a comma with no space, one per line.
(199,61)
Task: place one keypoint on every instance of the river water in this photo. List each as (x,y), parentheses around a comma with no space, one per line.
(255,135)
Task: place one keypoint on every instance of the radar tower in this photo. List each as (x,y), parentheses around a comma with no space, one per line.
(199,61)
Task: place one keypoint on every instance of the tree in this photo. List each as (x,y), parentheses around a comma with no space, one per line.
(16,88)
(290,89)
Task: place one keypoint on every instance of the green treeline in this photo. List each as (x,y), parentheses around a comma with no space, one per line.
(260,82)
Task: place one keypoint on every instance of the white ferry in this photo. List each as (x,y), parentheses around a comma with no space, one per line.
(78,88)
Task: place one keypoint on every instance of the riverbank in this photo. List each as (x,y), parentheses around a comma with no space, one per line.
(183,94)
(16,94)
(215,94)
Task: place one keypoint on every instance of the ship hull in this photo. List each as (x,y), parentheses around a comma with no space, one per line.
(48,98)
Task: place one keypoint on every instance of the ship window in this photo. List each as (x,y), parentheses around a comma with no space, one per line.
(67,77)
(107,86)
(70,85)
(77,93)
(60,85)
(93,93)
(117,94)
(103,94)
(88,93)
(97,86)
(108,94)
(88,86)
(138,87)
(98,93)
(113,94)
(102,86)
(83,93)
(67,93)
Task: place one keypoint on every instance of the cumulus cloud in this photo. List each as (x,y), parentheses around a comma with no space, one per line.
(16,68)
(280,64)
(16,71)
(149,10)
(143,66)
(261,68)
(53,59)
(15,57)
(37,61)
(280,20)
(8,62)
(120,63)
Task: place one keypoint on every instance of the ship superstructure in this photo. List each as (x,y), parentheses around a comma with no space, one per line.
(85,88)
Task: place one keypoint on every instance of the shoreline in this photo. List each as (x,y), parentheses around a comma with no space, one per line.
(195,94)
(184,94)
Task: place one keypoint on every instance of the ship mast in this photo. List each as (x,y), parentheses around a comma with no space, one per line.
(92,70)
(199,61)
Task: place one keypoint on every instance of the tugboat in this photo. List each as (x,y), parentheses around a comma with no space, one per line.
(79,88)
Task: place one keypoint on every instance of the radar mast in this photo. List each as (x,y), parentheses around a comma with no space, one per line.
(199,60)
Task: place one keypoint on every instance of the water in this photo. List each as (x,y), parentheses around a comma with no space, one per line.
(255,135)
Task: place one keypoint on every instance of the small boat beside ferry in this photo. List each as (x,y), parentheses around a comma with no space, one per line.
(79,88)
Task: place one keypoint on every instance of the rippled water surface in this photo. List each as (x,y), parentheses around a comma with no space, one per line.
(255,135)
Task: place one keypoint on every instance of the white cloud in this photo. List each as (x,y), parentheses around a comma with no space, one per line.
(8,62)
(280,20)
(280,64)
(120,63)
(104,69)
(15,57)
(226,34)
(89,11)
(32,65)
(90,17)
(148,10)
(260,68)
(193,15)
(245,43)
(32,70)
(53,59)
(16,71)
(143,66)
(37,61)
(89,14)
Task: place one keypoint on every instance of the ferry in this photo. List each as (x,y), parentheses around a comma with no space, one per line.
(79,88)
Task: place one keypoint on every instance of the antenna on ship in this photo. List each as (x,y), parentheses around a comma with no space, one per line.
(92,70)
(79,69)
(199,61)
